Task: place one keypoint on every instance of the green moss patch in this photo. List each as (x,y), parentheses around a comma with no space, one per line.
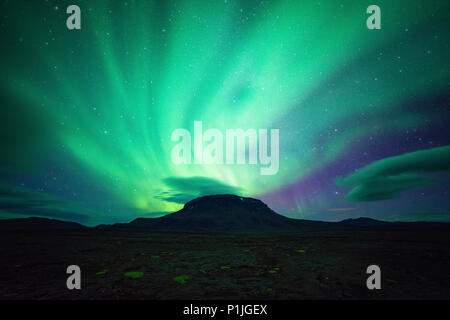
(181,279)
(134,274)
(102,272)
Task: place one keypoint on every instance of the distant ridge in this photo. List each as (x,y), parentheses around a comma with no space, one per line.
(35,223)
(364,222)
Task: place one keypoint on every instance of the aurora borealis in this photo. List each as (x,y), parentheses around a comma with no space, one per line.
(87,115)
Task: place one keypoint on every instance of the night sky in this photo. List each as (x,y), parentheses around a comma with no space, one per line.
(86,115)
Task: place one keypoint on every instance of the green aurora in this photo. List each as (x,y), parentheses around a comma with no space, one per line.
(87,115)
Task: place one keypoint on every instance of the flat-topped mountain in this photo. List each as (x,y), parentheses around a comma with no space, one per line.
(222,213)
(219,213)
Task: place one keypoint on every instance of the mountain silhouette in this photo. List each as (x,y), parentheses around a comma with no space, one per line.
(35,223)
(364,222)
(222,213)
(217,214)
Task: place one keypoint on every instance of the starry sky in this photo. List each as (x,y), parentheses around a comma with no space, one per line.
(86,115)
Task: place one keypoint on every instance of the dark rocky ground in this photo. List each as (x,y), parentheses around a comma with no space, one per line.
(415,264)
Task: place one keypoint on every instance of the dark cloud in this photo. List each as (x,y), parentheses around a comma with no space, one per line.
(25,202)
(177,198)
(388,178)
(25,134)
(186,189)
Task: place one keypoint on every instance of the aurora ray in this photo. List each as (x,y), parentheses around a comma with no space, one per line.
(87,115)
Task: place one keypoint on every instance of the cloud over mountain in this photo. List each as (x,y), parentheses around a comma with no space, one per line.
(185,189)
